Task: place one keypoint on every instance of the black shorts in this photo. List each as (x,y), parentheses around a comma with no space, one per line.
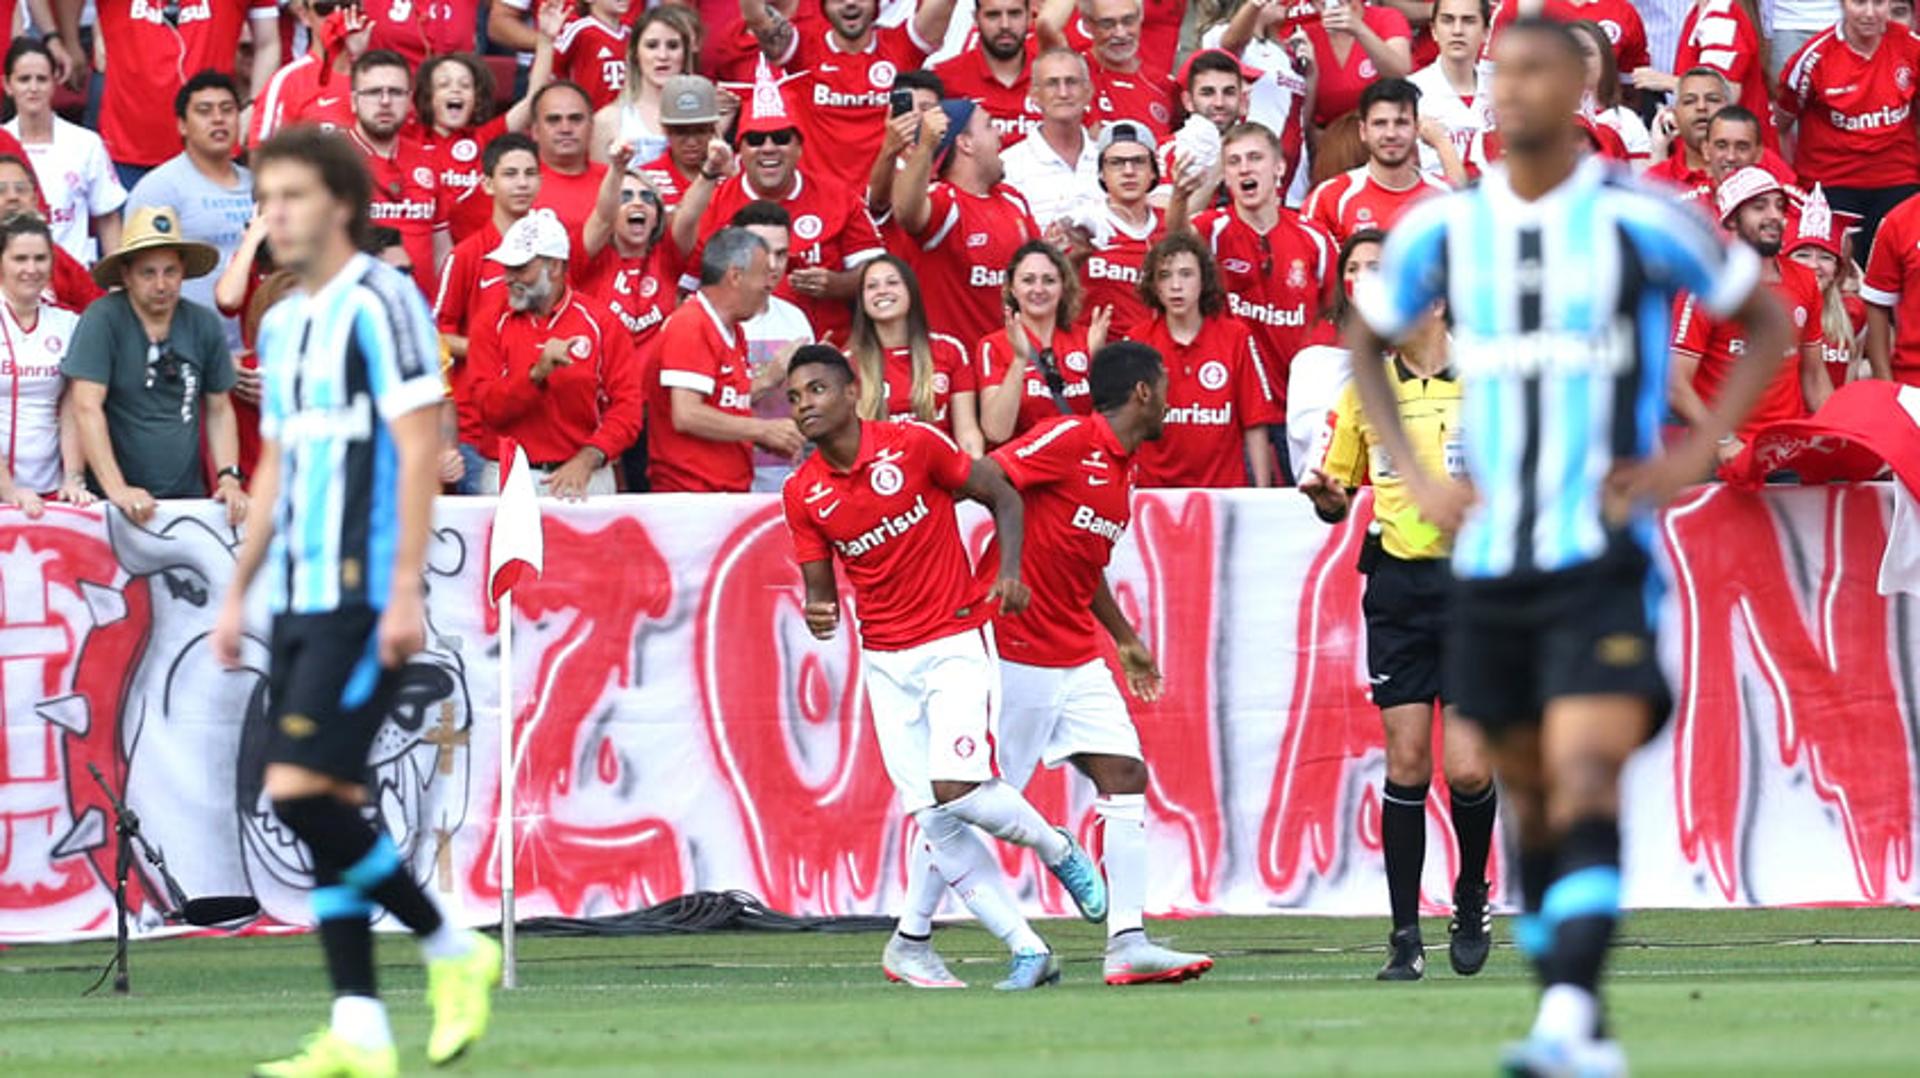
(326,691)
(1516,644)
(1406,606)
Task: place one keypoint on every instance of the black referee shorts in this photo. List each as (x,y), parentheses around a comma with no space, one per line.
(326,691)
(1406,607)
(1516,644)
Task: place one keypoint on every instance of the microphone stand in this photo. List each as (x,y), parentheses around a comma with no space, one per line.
(126,829)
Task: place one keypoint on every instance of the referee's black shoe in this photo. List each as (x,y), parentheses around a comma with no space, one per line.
(1471,930)
(1406,957)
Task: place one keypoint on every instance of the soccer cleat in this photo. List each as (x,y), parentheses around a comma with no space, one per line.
(460,991)
(329,1055)
(1541,1057)
(1132,958)
(915,963)
(1470,933)
(1082,879)
(1030,969)
(1406,958)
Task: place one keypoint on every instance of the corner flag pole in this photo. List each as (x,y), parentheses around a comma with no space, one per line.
(505,830)
(516,549)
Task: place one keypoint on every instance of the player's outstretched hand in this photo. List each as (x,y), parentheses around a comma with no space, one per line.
(1143,674)
(822,619)
(227,629)
(1443,502)
(403,628)
(1011,594)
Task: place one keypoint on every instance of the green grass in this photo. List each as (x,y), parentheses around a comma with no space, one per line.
(1763,992)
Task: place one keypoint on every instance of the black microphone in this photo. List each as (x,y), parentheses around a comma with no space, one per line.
(218,909)
(200,912)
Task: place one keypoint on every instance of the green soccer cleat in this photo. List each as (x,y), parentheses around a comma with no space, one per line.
(329,1055)
(460,991)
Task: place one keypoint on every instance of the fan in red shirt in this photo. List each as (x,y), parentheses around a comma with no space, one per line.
(1816,238)
(1125,85)
(554,370)
(1159,30)
(1035,366)
(845,70)
(405,192)
(906,371)
(627,262)
(1753,206)
(71,285)
(1698,96)
(417,29)
(996,72)
(1110,276)
(1219,405)
(1352,46)
(967,226)
(453,102)
(1374,195)
(1720,34)
(1892,291)
(591,51)
(315,87)
(150,58)
(569,182)
(1621,21)
(703,429)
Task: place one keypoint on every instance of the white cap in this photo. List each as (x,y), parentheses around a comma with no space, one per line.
(537,235)
(1742,186)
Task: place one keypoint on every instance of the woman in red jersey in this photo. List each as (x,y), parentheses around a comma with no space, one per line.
(1817,240)
(906,371)
(1037,366)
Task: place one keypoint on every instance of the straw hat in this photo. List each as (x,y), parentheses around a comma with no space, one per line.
(155,228)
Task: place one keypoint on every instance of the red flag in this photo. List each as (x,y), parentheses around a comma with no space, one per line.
(517,548)
(1864,427)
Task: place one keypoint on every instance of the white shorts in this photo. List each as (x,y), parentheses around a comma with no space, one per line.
(933,712)
(1050,714)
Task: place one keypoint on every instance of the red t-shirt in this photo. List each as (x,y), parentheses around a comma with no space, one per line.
(289,88)
(1012,109)
(1076,481)
(1146,95)
(457,167)
(472,290)
(1721,343)
(844,114)
(1216,390)
(1070,357)
(640,292)
(964,252)
(1354,200)
(148,61)
(831,230)
(589,53)
(406,198)
(1618,18)
(1110,277)
(952,373)
(596,401)
(699,351)
(71,285)
(1855,113)
(890,519)
(570,197)
(1342,83)
(667,179)
(1275,283)
(417,30)
(1718,34)
(1893,281)
(1159,33)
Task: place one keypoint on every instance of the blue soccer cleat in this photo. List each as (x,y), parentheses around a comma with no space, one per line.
(1082,879)
(1030,969)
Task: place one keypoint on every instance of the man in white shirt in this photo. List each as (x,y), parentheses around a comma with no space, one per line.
(772,335)
(1454,89)
(1057,168)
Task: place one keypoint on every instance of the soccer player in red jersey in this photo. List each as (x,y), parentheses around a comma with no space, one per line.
(905,370)
(1753,206)
(149,57)
(1274,265)
(569,181)
(1110,276)
(881,497)
(1035,367)
(1374,195)
(967,226)
(1125,85)
(591,50)
(1892,291)
(996,72)
(1218,402)
(405,191)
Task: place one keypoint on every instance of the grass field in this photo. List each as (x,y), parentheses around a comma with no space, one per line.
(1824,992)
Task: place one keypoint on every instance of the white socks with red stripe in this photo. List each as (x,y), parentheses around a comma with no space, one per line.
(1003,812)
(1124,856)
(967,865)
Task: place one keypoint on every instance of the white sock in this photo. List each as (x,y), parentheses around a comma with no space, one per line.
(1567,1013)
(447,941)
(925,889)
(1003,812)
(1124,856)
(967,865)
(361,1021)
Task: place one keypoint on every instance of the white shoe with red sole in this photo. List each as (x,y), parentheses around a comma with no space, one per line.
(1132,958)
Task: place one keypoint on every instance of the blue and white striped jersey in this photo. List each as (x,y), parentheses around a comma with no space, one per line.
(337,365)
(1560,311)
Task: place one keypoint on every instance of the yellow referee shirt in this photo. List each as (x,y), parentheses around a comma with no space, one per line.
(1430,411)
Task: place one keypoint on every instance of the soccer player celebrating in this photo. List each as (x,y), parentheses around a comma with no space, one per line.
(1378,192)
(346,544)
(881,496)
(1555,269)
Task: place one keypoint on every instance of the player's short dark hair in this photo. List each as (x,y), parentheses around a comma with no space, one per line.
(502,145)
(483,88)
(821,355)
(381,238)
(1560,33)
(1213,62)
(201,82)
(1737,114)
(1392,92)
(533,105)
(920,79)
(374,59)
(1117,368)
(761,214)
(1213,295)
(24,47)
(342,171)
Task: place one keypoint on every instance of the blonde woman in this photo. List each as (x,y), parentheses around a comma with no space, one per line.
(658,49)
(905,371)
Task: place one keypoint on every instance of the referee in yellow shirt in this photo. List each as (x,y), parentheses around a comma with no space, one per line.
(1408,592)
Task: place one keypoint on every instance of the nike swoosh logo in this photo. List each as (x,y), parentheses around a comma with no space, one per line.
(489,282)
(827,511)
(1096,481)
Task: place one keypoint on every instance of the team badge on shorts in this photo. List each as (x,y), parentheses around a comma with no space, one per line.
(964,747)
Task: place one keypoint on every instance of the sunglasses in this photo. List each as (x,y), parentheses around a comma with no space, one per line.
(640,196)
(1050,370)
(162,363)
(757,139)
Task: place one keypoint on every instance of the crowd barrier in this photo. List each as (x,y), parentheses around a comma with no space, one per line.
(680,731)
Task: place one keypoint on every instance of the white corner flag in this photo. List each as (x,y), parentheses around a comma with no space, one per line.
(516,550)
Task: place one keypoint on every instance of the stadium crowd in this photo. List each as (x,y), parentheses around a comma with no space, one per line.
(627,215)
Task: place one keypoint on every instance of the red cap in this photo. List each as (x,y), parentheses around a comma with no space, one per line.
(1819,225)
(767,108)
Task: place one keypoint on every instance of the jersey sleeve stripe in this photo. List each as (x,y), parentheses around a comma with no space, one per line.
(698,383)
(416,343)
(1877,297)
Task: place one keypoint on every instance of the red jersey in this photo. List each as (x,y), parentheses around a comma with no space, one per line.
(1146,95)
(1012,109)
(1342,82)
(1618,18)
(1076,481)
(71,285)
(593,55)
(640,292)
(571,197)
(1855,112)
(596,401)
(287,90)
(1159,33)
(1893,281)
(964,252)
(1037,404)
(456,161)
(1275,283)
(472,291)
(952,373)
(1718,34)
(698,350)
(845,93)
(831,230)
(1355,200)
(417,30)
(1110,277)
(1720,344)
(148,61)
(1216,390)
(890,519)
(667,179)
(406,198)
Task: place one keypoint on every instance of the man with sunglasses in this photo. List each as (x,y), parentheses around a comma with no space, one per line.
(405,189)
(150,373)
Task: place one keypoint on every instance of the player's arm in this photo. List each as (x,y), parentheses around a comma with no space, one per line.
(1880,341)
(416,442)
(1136,659)
(823,598)
(265,493)
(988,485)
